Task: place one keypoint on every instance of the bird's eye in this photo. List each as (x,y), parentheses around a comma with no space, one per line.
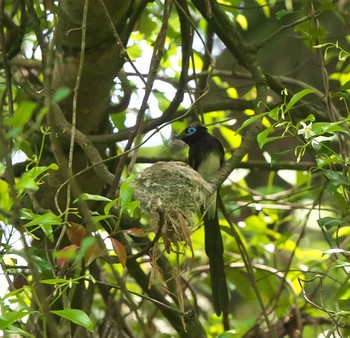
(191,130)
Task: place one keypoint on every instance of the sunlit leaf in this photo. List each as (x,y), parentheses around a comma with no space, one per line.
(232,92)
(37,171)
(344,292)
(109,205)
(242,20)
(20,117)
(297,97)
(126,190)
(131,207)
(5,199)
(14,331)
(29,180)
(91,197)
(231,136)
(134,51)
(76,316)
(343,231)
(46,219)
(8,318)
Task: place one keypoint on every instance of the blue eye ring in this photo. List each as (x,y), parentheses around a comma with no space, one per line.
(191,130)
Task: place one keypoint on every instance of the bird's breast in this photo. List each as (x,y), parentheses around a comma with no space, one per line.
(209,165)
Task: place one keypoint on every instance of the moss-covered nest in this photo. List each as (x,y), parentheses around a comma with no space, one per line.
(172,193)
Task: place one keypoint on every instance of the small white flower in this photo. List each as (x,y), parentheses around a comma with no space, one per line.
(306,130)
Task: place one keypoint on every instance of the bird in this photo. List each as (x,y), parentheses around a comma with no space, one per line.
(206,156)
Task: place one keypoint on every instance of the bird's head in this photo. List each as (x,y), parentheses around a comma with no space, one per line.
(192,133)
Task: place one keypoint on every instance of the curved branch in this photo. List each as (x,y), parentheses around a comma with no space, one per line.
(87,146)
(225,104)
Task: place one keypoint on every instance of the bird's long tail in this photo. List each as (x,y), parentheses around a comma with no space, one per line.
(214,250)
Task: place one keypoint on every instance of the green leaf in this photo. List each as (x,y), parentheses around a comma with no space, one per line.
(345,86)
(344,95)
(9,318)
(280,14)
(310,118)
(134,51)
(48,218)
(27,183)
(251,120)
(126,194)
(28,179)
(297,97)
(337,177)
(60,94)
(91,197)
(275,157)
(53,281)
(131,207)
(5,199)
(47,230)
(274,113)
(37,171)
(43,266)
(119,120)
(330,222)
(126,191)
(14,331)
(321,128)
(99,218)
(76,316)
(344,292)
(263,137)
(109,205)
(256,224)
(86,244)
(20,117)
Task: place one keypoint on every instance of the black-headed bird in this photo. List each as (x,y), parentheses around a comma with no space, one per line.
(206,155)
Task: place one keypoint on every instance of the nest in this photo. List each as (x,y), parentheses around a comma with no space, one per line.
(172,193)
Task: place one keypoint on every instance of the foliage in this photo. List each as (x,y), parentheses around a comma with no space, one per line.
(93,92)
